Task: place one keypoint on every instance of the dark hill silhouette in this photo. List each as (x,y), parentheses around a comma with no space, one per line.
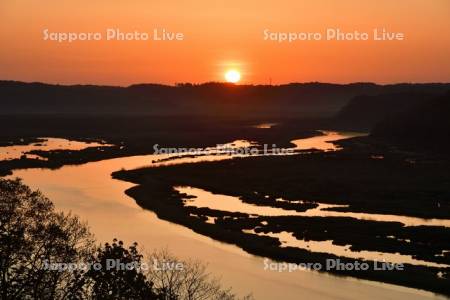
(289,100)
(426,125)
(364,112)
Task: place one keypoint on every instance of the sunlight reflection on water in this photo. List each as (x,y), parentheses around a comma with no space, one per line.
(89,191)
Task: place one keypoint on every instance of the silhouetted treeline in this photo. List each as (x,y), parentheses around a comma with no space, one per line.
(295,99)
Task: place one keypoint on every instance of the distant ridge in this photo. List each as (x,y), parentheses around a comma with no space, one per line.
(364,112)
(288,100)
(425,125)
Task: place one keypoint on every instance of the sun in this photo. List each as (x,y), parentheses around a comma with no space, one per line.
(232,76)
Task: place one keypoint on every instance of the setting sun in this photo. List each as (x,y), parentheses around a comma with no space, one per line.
(232,76)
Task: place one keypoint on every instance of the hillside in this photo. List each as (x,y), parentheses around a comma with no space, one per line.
(364,112)
(426,125)
(290,100)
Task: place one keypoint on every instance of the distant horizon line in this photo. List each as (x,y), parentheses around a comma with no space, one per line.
(180,84)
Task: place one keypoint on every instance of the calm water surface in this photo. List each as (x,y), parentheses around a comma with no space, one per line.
(15,152)
(89,191)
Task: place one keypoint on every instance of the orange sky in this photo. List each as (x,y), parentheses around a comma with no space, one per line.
(220,35)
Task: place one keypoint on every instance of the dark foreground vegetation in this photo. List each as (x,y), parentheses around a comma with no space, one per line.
(49,255)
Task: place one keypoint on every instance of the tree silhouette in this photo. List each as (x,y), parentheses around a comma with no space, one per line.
(49,255)
(118,274)
(189,282)
(33,236)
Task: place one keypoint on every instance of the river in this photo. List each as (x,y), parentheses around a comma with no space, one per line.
(89,191)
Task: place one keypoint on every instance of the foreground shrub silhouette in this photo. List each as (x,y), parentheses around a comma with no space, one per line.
(185,280)
(32,234)
(120,276)
(35,241)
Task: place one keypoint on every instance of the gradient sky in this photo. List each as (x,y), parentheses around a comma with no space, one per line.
(220,35)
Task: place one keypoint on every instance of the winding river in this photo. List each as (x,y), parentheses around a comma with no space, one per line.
(89,191)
